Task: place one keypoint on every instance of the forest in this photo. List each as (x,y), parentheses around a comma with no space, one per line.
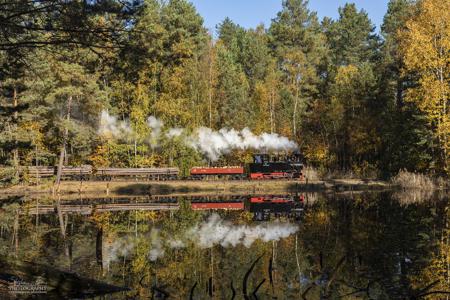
(128,83)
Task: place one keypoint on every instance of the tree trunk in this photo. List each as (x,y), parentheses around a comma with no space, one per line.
(63,228)
(135,153)
(399,95)
(16,147)
(16,228)
(63,147)
(294,115)
(297,259)
(62,225)
(444,142)
(272,110)
(210,88)
(211,286)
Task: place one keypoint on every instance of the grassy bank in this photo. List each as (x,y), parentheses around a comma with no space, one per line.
(170,187)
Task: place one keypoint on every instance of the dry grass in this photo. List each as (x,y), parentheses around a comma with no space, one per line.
(408,180)
(311,174)
(162,187)
(171,187)
(338,174)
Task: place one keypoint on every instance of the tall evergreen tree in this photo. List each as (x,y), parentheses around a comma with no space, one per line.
(352,38)
(235,109)
(299,45)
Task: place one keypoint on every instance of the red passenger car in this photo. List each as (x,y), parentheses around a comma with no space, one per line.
(217,172)
(217,205)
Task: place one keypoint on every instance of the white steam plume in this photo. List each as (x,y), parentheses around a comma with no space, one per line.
(209,142)
(111,127)
(216,143)
(216,231)
(156,125)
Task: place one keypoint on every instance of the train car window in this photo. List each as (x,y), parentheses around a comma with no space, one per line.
(258,159)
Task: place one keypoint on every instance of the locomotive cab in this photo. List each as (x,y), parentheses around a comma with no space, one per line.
(265,166)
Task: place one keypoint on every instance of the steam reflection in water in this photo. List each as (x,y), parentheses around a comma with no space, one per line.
(206,234)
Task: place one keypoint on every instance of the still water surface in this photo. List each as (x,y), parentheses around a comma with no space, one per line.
(307,246)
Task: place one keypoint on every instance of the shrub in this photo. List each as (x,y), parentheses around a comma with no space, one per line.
(8,176)
(408,180)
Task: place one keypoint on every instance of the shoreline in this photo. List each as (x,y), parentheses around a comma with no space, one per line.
(183,186)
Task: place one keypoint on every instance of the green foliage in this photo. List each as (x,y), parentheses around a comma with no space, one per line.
(123,155)
(232,91)
(352,37)
(180,155)
(334,86)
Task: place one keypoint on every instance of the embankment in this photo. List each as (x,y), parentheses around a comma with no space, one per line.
(170,187)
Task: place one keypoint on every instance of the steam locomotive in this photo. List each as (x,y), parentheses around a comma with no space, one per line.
(263,167)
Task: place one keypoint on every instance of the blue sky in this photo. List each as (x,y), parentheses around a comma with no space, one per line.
(250,13)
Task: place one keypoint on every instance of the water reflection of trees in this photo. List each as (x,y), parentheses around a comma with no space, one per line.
(411,196)
(361,245)
(384,243)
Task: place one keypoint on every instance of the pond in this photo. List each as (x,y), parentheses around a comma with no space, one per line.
(381,245)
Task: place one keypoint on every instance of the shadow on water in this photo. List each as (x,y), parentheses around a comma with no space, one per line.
(149,189)
(54,283)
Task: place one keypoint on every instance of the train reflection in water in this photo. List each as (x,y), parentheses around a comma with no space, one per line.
(263,207)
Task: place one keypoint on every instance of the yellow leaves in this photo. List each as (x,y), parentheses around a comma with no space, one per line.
(426,40)
(140,107)
(151,215)
(320,217)
(346,74)
(102,220)
(143,161)
(245,216)
(267,98)
(437,270)
(262,98)
(175,105)
(344,86)
(34,128)
(425,46)
(316,153)
(100,157)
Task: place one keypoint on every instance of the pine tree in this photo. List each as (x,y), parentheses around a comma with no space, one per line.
(235,110)
(351,37)
(299,46)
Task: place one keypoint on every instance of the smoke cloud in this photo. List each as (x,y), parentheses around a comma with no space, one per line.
(216,143)
(216,231)
(111,127)
(156,127)
(211,143)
